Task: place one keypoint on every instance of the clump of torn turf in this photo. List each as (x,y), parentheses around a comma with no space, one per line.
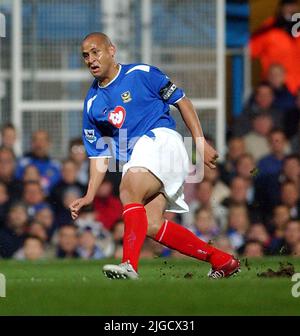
(285,271)
(247,265)
(188,275)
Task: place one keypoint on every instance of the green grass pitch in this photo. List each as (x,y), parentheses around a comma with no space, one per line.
(79,288)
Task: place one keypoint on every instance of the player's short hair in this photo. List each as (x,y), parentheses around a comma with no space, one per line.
(101,35)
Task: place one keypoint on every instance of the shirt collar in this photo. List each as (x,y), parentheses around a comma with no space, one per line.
(109,83)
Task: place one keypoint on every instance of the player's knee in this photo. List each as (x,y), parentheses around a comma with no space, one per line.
(154,225)
(128,195)
(132,191)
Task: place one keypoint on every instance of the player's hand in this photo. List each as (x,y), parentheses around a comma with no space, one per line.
(77,205)
(210,156)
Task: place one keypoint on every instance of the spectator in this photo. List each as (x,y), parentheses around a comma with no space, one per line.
(33,197)
(107,206)
(68,181)
(267,183)
(44,216)
(78,155)
(67,242)
(238,196)
(205,226)
(39,157)
(296,250)
(223,243)
(88,247)
(238,224)
(256,140)
(220,189)
(258,232)
(290,198)
(291,170)
(289,241)
(274,43)
(204,200)
(37,229)
(7,173)
(4,203)
(33,249)
(281,215)
(151,249)
(87,221)
(238,192)
(263,103)
(236,147)
(117,234)
(13,234)
(272,163)
(62,215)
(245,169)
(8,136)
(31,173)
(276,77)
(292,124)
(253,249)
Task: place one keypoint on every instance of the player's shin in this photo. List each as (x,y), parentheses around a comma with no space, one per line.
(136,224)
(184,241)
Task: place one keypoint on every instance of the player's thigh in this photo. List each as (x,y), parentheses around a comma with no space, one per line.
(138,185)
(155,209)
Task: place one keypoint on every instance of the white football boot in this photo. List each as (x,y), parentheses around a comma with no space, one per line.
(122,271)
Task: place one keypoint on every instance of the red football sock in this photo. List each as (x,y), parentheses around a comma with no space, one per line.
(184,241)
(136,224)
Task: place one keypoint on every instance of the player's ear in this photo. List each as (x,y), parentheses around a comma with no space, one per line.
(112,50)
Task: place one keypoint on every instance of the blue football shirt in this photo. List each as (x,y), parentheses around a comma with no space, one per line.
(135,102)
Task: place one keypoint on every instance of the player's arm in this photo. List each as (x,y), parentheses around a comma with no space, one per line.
(98,168)
(190,117)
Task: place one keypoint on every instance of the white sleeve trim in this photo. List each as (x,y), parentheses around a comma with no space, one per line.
(179,99)
(142,67)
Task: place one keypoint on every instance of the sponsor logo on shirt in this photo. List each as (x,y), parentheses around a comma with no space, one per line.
(117,116)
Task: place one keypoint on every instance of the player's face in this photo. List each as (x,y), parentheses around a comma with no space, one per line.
(97,56)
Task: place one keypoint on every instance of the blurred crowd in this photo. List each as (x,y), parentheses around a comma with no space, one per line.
(35,193)
(248,206)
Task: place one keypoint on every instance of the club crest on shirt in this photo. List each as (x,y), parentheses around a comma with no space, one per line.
(117,116)
(126,97)
(90,135)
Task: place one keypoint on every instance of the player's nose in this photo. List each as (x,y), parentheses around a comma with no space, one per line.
(90,60)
